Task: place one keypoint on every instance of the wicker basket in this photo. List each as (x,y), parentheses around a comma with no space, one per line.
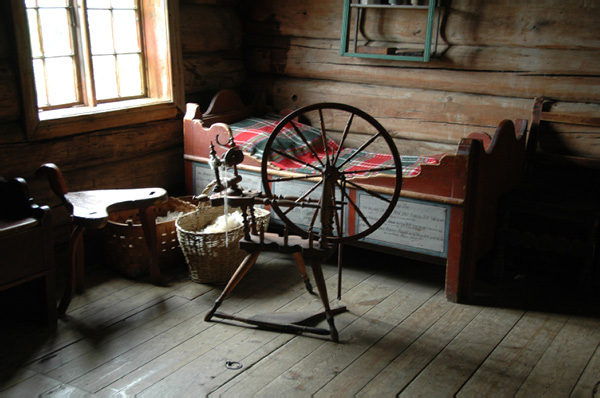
(207,256)
(124,239)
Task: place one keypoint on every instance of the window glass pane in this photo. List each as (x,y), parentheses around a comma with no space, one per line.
(55,32)
(126,30)
(40,82)
(99,3)
(101,37)
(123,3)
(129,75)
(105,77)
(52,3)
(36,47)
(118,59)
(60,80)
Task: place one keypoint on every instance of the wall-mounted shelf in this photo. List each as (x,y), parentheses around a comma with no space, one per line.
(354,11)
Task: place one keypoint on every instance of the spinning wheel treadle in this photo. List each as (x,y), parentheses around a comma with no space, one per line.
(329,172)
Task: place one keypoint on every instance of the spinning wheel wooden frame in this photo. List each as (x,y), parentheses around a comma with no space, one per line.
(328,172)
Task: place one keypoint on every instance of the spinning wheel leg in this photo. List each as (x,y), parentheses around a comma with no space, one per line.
(244,267)
(322,288)
(302,267)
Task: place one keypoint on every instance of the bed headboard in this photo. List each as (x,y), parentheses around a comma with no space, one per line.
(228,107)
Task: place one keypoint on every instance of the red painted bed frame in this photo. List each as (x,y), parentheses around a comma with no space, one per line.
(470,181)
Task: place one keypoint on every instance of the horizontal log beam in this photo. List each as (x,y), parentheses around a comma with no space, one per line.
(510,72)
(213,71)
(422,115)
(94,149)
(209,28)
(541,24)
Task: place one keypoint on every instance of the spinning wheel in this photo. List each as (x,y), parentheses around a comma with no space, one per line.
(323,173)
(327,173)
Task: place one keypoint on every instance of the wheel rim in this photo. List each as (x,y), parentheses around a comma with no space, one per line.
(328,177)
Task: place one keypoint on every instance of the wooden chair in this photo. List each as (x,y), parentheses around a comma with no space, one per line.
(26,243)
(89,209)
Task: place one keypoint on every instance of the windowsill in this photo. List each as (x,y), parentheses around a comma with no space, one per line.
(100,108)
(76,120)
(165,71)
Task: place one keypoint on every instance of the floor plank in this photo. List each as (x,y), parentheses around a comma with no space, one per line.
(325,363)
(511,362)
(10,378)
(31,387)
(399,336)
(74,354)
(95,366)
(144,353)
(245,297)
(409,363)
(354,377)
(86,320)
(559,369)
(453,366)
(589,382)
(286,299)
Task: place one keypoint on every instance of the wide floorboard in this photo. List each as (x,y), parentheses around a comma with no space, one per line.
(400,336)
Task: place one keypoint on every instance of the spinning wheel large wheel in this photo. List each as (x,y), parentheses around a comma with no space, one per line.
(318,181)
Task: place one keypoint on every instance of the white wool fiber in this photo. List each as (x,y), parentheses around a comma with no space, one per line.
(234,220)
(171,216)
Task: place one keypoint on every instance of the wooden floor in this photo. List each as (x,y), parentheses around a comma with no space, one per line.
(400,336)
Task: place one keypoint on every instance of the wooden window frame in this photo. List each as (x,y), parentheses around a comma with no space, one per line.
(164,77)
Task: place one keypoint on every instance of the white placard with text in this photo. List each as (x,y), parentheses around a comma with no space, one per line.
(413,225)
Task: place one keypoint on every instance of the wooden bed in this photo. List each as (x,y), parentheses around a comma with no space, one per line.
(452,204)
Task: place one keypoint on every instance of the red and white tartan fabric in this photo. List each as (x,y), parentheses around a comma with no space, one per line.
(251,136)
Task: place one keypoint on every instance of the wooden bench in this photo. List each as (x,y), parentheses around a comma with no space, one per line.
(26,244)
(552,220)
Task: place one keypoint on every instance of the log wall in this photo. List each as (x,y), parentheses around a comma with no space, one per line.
(493,58)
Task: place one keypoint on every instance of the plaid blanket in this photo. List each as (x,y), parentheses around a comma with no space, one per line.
(251,136)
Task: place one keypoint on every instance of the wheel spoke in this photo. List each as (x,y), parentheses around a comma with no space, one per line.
(296,160)
(324,136)
(305,195)
(355,206)
(363,146)
(314,217)
(343,139)
(370,192)
(303,138)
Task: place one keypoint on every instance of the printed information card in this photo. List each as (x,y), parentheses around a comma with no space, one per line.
(412,224)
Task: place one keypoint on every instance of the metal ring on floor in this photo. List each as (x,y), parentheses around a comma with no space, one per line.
(233,365)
